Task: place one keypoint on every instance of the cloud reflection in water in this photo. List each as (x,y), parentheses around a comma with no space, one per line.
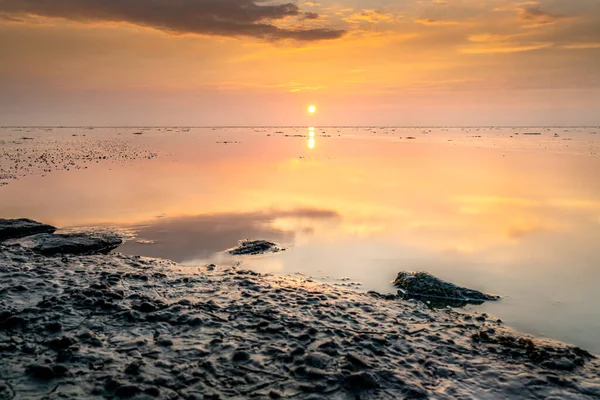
(191,238)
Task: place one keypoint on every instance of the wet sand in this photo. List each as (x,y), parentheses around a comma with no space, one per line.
(116,326)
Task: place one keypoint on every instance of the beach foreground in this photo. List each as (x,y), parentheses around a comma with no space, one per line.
(116,326)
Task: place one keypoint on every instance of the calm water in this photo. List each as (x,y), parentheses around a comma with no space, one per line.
(512,214)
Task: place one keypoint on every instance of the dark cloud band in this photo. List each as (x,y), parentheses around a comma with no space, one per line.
(205,17)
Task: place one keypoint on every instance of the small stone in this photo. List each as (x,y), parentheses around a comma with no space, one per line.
(240,356)
(13,322)
(127,391)
(562,364)
(318,360)
(60,370)
(133,368)
(356,361)
(111,385)
(61,343)
(152,391)
(64,355)
(361,381)
(54,327)
(39,371)
(147,307)
(165,343)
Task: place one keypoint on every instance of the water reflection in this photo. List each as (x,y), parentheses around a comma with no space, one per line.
(311,137)
(197,238)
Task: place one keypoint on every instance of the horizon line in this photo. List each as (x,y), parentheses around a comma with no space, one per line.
(295,126)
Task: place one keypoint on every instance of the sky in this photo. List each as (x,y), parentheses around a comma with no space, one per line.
(255,62)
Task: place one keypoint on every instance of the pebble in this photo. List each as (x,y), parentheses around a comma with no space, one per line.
(240,356)
(127,391)
(165,342)
(361,381)
(39,371)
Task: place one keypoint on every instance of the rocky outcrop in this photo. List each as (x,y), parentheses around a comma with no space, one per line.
(253,247)
(425,285)
(76,243)
(18,228)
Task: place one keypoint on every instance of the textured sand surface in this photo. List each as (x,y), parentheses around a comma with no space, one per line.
(115,326)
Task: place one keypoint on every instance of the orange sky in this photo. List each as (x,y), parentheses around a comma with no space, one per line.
(241,62)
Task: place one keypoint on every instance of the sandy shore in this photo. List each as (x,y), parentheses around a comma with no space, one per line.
(115,326)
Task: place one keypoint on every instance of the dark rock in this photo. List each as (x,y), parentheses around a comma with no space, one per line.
(54,327)
(60,343)
(5,314)
(60,370)
(76,243)
(64,355)
(18,228)
(165,342)
(240,356)
(415,392)
(561,364)
(426,286)
(133,368)
(356,361)
(147,307)
(318,360)
(127,391)
(111,384)
(13,322)
(152,391)
(361,381)
(39,371)
(252,247)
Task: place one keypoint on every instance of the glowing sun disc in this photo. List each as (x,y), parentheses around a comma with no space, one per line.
(312,109)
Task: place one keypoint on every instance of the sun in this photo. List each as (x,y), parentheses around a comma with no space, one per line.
(312,109)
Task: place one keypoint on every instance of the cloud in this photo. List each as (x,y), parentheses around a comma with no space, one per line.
(310,15)
(505,48)
(580,46)
(370,16)
(7,18)
(533,14)
(435,22)
(251,18)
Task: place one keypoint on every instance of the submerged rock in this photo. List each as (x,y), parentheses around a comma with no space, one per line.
(18,228)
(425,285)
(253,247)
(75,243)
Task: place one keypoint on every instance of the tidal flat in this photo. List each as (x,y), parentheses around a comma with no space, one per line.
(119,326)
(494,209)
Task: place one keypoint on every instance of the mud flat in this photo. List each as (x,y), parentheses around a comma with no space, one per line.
(116,326)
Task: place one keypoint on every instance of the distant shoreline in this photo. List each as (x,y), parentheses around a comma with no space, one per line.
(292,126)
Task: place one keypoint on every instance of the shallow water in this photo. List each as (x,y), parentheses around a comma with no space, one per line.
(512,214)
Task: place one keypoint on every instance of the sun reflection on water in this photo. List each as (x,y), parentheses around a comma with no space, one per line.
(311,137)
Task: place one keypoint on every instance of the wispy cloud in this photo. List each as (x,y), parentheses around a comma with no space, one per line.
(580,46)
(7,18)
(370,16)
(532,13)
(232,18)
(435,22)
(504,48)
